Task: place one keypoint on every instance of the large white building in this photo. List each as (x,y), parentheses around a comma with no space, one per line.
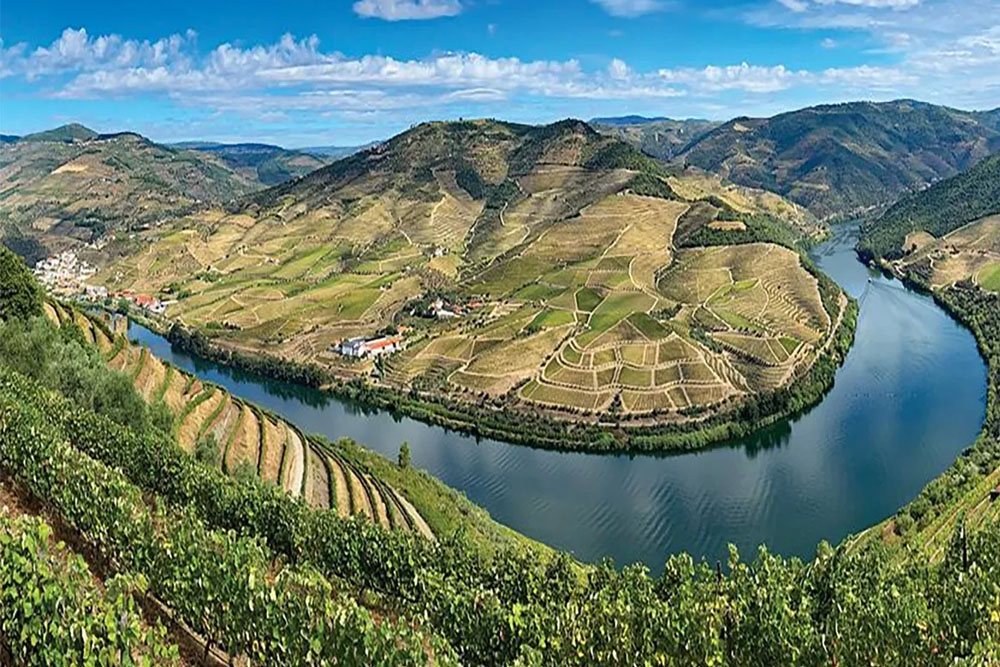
(359,347)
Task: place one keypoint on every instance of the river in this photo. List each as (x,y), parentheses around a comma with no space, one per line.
(909,397)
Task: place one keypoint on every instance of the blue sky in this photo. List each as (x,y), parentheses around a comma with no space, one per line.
(344,72)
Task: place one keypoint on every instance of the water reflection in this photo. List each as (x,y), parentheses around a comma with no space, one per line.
(909,398)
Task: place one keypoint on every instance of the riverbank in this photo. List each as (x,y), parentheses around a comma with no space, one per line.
(907,400)
(536,428)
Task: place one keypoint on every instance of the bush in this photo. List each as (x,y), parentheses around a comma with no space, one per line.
(20,296)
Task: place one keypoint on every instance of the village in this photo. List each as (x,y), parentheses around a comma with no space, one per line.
(66,275)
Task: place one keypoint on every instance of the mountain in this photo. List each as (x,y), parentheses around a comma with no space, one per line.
(626,120)
(266,163)
(940,209)
(66,133)
(659,137)
(73,184)
(845,159)
(536,267)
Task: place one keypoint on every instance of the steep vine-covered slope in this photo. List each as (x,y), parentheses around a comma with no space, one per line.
(555,245)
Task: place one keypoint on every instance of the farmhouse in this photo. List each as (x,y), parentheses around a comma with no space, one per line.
(359,347)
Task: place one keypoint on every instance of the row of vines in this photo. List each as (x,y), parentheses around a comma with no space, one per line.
(227,587)
(843,608)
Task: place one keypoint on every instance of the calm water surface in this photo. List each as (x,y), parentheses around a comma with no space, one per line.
(910,396)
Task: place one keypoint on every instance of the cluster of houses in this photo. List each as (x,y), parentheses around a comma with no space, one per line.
(66,274)
(375,347)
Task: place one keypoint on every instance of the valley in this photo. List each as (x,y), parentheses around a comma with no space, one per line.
(516,285)
(574,260)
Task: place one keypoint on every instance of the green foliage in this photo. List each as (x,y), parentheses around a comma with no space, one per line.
(20,296)
(404,455)
(161,417)
(759,229)
(941,208)
(515,607)
(61,360)
(288,616)
(208,451)
(648,185)
(52,613)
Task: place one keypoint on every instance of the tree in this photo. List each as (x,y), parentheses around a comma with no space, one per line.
(207,450)
(404,455)
(160,416)
(20,296)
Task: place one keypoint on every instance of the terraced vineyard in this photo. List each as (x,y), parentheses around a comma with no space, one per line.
(617,321)
(592,302)
(248,437)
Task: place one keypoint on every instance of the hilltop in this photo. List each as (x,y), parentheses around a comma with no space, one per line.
(71,184)
(545,269)
(67,133)
(844,159)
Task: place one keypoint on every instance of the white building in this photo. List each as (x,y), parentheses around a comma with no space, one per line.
(359,347)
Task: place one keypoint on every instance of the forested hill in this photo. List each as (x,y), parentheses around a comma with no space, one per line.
(485,156)
(941,208)
(847,158)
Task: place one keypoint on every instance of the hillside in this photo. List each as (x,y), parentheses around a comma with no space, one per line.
(66,133)
(270,165)
(844,159)
(89,493)
(72,185)
(938,210)
(569,262)
(660,137)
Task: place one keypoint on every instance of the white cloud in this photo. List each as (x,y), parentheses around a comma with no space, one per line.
(631,8)
(75,50)
(925,55)
(890,4)
(795,5)
(744,77)
(407,10)
(828,43)
(617,69)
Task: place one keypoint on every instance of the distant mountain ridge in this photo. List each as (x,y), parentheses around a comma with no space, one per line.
(845,159)
(626,120)
(659,137)
(266,163)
